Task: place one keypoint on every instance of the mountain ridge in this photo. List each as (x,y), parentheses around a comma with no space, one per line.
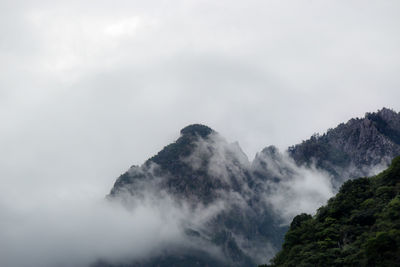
(351,147)
(203,172)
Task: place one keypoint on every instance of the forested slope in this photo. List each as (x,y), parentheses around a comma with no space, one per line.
(360,226)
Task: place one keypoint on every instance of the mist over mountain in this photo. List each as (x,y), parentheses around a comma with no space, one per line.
(234,212)
(198,202)
(287,187)
(212,181)
(361,147)
(94,170)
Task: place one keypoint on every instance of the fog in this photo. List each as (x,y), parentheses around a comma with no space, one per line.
(89,88)
(76,232)
(79,231)
(291,189)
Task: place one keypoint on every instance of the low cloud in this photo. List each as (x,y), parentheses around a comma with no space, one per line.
(75,232)
(78,230)
(290,189)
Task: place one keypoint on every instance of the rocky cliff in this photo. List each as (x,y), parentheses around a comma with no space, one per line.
(355,148)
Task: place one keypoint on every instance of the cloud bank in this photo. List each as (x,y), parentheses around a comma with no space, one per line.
(76,232)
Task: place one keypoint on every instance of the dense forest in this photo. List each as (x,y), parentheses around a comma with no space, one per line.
(360,226)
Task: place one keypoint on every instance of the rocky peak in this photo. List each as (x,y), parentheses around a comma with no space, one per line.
(268,158)
(387,114)
(271,151)
(197,130)
(208,176)
(196,166)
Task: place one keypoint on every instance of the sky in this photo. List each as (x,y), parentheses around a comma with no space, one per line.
(89,88)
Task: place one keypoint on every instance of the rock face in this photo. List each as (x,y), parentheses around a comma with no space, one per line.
(352,149)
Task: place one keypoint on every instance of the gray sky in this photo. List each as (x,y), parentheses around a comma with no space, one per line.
(88,88)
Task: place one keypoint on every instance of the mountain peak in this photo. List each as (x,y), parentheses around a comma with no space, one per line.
(385,110)
(271,150)
(386,114)
(197,130)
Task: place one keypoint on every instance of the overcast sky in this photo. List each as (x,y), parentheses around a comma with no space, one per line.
(88,88)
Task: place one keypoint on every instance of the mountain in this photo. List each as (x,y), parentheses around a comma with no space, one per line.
(195,167)
(302,178)
(355,148)
(234,212)
(204,174)
(360,226)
